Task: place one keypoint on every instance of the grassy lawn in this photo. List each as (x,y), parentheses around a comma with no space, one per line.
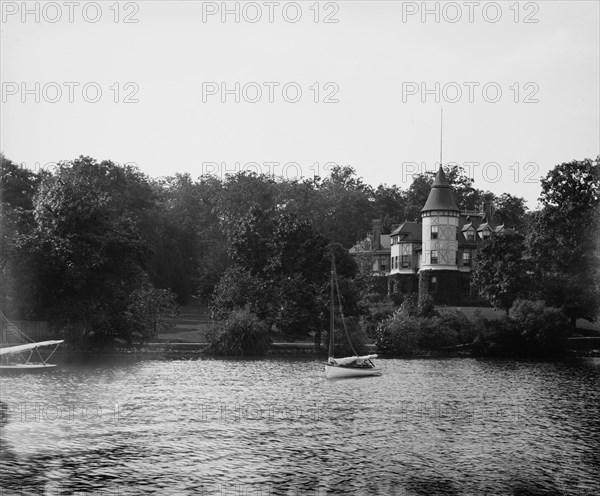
(190,326)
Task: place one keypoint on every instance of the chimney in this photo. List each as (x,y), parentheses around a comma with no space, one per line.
(488,207)
(376,233)
(489,210)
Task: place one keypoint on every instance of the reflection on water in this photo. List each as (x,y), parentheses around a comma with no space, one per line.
(269,427)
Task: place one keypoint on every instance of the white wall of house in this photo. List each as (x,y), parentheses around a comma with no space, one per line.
(444,246)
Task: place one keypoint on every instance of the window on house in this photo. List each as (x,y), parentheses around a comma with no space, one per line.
(405,262)
(434,256)
(470,235)
(485,234)
(466,258)
(434,232)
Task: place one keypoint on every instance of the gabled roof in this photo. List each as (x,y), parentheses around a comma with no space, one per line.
(485,225)
(441,196)
(466,222)
(409,231)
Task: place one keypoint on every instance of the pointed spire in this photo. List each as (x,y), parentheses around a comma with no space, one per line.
(440,179)
(441,196)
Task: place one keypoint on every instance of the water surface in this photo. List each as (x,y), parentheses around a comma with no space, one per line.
(250,427)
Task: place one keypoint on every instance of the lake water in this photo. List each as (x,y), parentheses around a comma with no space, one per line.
(269,427)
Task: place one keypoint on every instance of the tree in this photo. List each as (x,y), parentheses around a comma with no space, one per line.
(146,308)
(176,241)
(564,239)
(389,205)
(240,195)
(19,263)
(241,334)
(466,196)
(344,207)
(89,220)
(501,270)
(417,195)
(511,211)
(239,288)
(281,273)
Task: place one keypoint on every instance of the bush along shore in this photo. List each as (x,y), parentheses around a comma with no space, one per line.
(415,329)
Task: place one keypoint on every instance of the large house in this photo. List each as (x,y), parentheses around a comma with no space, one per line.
(437,254)
(377,245)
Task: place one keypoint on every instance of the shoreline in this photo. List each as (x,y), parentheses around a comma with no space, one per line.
(294,350)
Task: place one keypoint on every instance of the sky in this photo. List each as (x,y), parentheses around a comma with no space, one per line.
(292,88)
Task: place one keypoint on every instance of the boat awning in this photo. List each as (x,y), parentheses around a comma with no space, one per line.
(348,360)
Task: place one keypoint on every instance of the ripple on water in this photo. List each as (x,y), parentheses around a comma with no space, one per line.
(457,426)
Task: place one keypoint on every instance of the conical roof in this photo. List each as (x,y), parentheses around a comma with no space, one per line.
(441,196)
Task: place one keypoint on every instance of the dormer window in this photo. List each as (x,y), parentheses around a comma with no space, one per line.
(470,235)
(485,234)
(434,232)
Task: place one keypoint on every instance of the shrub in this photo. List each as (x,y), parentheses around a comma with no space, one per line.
(398,335)
(425,307)
(435,333)
(240,334)
(533,329)
(496,337)
(542,328)
(397,298)
(460,324)
(406,333)
(376,314)
(410,305)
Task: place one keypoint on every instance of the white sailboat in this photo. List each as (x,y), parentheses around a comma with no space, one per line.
(27,356)
(353,366)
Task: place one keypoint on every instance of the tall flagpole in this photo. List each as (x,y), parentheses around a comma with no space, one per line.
(441,134)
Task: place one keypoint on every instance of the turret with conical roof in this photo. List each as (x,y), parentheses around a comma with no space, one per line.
(440,223)
(441,196)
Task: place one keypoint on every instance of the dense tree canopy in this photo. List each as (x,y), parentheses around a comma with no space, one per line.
(501,271)
(564,238)
(102,249)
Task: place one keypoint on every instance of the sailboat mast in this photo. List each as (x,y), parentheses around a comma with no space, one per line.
(331,308)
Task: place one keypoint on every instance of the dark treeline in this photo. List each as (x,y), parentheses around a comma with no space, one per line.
(101,250)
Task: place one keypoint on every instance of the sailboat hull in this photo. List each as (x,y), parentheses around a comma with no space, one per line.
(341,371)
(28,368)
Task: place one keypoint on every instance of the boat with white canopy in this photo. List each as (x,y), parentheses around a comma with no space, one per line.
(353,366)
